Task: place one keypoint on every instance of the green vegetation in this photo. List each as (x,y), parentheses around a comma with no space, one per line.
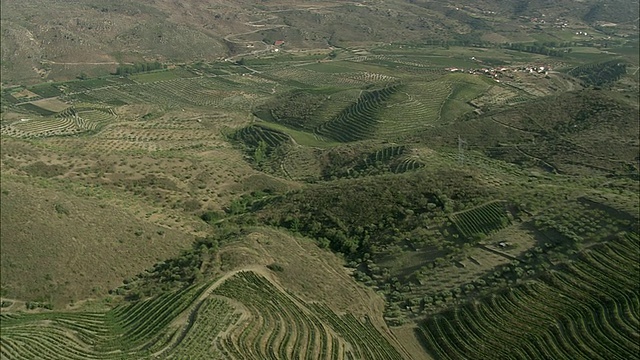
(357,121)
(127,331)
(544,48)
(586,309)
(307,330)
(288,328)
(482,220)
(474,167)
(601,73)
(138,67)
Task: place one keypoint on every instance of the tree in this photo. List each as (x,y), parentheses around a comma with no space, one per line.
(260,153)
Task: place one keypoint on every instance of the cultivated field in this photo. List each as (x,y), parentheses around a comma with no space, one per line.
(242,315)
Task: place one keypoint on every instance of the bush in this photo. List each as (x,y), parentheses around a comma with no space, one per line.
(275,267)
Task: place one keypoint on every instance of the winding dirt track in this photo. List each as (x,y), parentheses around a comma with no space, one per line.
(182,322)
(84,63)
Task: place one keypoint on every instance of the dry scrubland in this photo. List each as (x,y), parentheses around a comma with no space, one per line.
(69,243)
(346,197)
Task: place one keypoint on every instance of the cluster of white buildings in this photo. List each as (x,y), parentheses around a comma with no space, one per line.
(497,73)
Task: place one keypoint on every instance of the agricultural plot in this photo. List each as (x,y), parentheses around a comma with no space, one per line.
(8,99)
(498,96)
(484,220)
(258,84)
(389,159)
(616,205)
(267,324)
(408,164)
(599,73)
(297,77)
(336,103)
(584,223)
(171,93)
(52,105)
(590,309)
(131,331)
(448,284)
(72,121)
(428,60)
(343,79)
(162,75)
(206,323)
(360,119)
(254,135)
(370,78)
(464,89)
(329,68)
(280,326)
(83,85)
(300,137)
(46,90)
(177,123)
(156,135)
(406,66)
(385,155)
(301,163)
(34,109)
(113,145)
(416,107)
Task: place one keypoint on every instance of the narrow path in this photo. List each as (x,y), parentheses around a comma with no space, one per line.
(555,170)
(446,100)
(497,252)
(479,206)
(182,321)
(84,63)
(513,127)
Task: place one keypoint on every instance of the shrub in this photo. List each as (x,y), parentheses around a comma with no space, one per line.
(275,267)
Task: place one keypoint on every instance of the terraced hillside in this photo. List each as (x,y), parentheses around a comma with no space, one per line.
(129,331)
(240,316)
(72,121)
(589,309)
(281,326)
(481,220)
(359,120)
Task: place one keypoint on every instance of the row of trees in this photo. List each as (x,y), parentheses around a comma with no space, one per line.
(536,48)
(600,73)
(138,68)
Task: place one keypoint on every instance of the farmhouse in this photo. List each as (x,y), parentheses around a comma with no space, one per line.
(278,42)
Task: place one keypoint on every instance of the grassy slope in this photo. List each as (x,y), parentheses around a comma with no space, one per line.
(65,247)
